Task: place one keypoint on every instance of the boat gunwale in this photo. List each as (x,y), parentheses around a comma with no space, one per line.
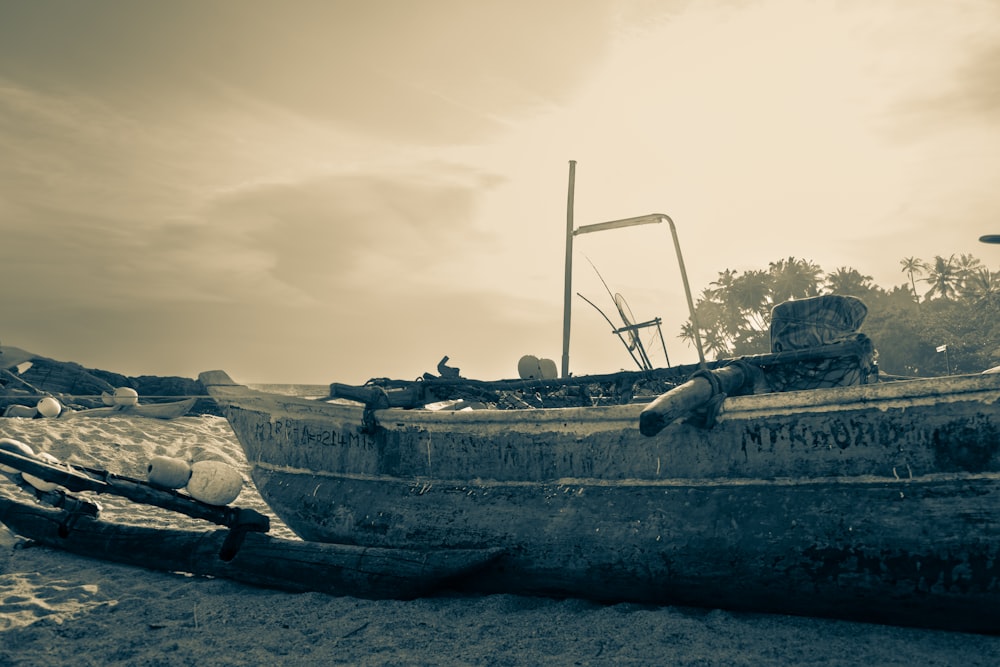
(665,482)
(903,393)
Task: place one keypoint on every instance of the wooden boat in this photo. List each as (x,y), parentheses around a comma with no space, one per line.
(877,502)
(262,560)
(165,410)
(242,551)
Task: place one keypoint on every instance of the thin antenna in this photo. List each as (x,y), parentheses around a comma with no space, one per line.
(601,277)
(615,330)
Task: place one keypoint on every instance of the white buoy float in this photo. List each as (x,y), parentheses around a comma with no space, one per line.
(125,396)
(49,407)
(38,482)
(548,368)
(18,447)
(529,368)
(168,473)
(214,482)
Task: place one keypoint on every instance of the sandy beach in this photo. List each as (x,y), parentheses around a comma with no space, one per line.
(59,609)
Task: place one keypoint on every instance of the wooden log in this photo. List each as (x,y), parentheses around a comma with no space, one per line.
(691,396)
(730,379)
(378,397)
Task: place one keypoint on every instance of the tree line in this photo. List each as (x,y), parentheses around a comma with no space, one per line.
(942,319)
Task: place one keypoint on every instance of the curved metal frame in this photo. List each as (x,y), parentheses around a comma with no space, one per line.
(605,226)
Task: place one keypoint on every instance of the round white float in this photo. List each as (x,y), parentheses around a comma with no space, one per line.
(49,407)
(167,472)
(214,482)
(16,446)
(529,368)
(125,396)
(38,482)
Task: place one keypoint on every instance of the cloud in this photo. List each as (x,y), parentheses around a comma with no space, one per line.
(936,66)
(329,189)
(430,72)
(974,92)
(357,228)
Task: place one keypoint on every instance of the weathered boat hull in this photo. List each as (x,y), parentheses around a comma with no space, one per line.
(261,560)
(877,502)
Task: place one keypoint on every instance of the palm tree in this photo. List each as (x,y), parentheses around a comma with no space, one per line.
(967,268)
(722,284)
(711,339)
(967,263)
(751,295)
(911,266)
(944,277)
(716,325)
(733,308)
(848,281)
(982,287)
(721,292)
(793,279)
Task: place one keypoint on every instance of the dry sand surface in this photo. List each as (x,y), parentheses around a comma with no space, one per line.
(59,609)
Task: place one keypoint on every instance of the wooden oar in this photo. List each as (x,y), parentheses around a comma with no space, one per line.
(729,379)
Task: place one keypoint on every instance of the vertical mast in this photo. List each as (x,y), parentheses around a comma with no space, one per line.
(568,285)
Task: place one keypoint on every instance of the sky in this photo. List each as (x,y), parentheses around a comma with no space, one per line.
(319,191)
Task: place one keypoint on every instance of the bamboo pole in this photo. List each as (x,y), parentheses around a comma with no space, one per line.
(568,284)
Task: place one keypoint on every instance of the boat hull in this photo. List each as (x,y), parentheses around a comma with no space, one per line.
(874,503)
(262,560)
(166,410)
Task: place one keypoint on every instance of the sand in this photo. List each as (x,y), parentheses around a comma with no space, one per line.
(59,609)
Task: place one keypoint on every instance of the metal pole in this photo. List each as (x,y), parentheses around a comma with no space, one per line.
(687,293)
(568,284)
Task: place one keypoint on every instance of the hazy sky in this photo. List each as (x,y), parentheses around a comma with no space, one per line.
(336,190)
